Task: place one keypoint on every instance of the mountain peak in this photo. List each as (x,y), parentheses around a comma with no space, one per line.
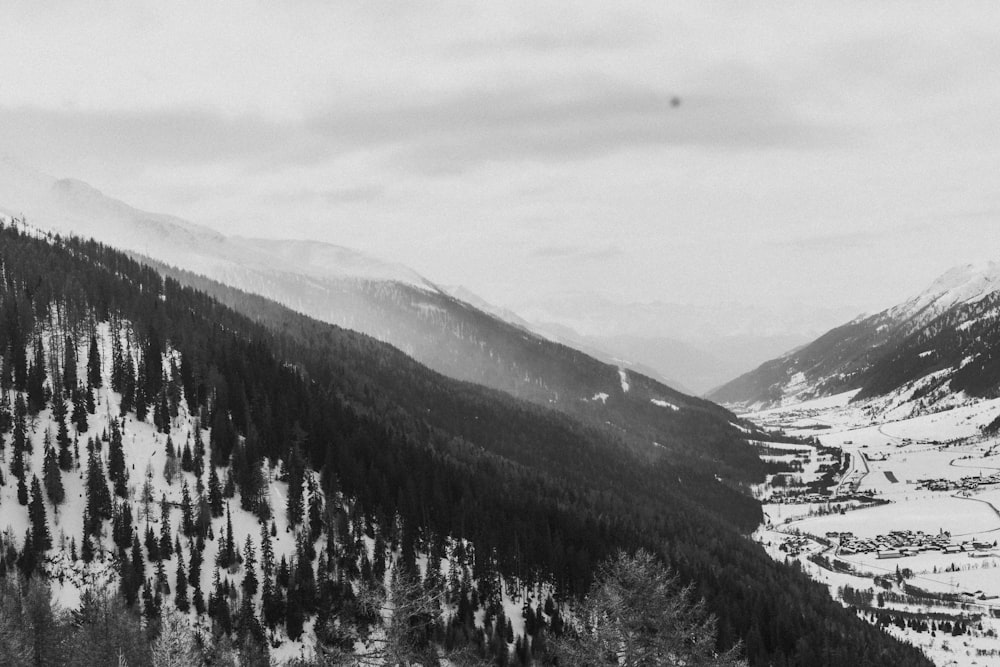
(961,284)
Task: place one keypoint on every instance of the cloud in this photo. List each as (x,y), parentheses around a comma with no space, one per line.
(568,121)
(576,253)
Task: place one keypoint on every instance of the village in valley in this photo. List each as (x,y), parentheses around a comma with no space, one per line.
(896,512)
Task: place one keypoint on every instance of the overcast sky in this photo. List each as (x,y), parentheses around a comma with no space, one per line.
(830,153)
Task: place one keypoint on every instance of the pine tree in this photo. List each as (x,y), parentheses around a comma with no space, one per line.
(226,556)
(250,565)
(36,380)
(98,498)
(315,509)
(87,547)
(116,461)
(166,541)
(138,572)
(187,462)
(187,519)
(19,472)
(198,455)
(53,478)
(62,433)
(180,589)
(39,524)
(214,492)
(94,377)
(296,476)
(170,466)
(69,367)
(152,544)
(80,411)
(270,609)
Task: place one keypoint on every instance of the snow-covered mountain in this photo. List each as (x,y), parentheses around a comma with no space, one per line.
(940,346)
(465,341)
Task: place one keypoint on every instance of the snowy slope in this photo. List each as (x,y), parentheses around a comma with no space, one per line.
(944,339)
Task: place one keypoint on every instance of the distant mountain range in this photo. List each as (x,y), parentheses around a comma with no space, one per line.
(393,304)
(940,346)
(695,345)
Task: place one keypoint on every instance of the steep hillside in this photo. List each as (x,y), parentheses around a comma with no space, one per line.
(376,462)
(354,291)
(932,347)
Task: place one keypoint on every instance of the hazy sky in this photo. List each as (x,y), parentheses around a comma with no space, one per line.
(834,153)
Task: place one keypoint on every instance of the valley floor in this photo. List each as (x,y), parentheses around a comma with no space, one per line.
(910,525)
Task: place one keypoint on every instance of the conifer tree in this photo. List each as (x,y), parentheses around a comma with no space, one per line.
(170,466)
(36,380)
(141,404)
(296,474)
(214,492)
(250,565)
(17,467)
(80,411)
(315,509)
(98,498)
(62,434)
(166,537)
(116,461)
(180,589)
(187,518)
(22,491)
(198,455)
(21,441)
(42,541)
(69,367)
(138,566)
(152,544)
(270,600)
(94,377)
(187,462)
(53,478)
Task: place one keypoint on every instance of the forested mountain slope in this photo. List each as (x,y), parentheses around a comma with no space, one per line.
(407,464)
(384,300)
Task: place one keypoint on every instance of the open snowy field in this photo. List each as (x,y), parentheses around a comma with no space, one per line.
(892,450)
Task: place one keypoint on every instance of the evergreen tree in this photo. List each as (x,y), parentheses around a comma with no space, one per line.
(170,466)
(250,565)
(53,478)
(214,492)
(36,380)
(187,518)
(166,537)
(94,377)
(152,544)
(62,433)
(98,499)
(187,462)
(80,411)
(42,541)
(17,467)
(180,589)
(296,476)
(315,509)
(116,461)
(69,367)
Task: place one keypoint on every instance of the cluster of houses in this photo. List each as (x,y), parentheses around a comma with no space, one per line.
(793,545)
(902,543)
(964,484)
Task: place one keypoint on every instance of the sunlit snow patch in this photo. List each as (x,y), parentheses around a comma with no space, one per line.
(624,377)
(663,404)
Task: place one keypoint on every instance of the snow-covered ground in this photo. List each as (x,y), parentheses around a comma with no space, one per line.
(894,446)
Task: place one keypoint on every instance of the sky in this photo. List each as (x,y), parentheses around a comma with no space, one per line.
(830,154)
